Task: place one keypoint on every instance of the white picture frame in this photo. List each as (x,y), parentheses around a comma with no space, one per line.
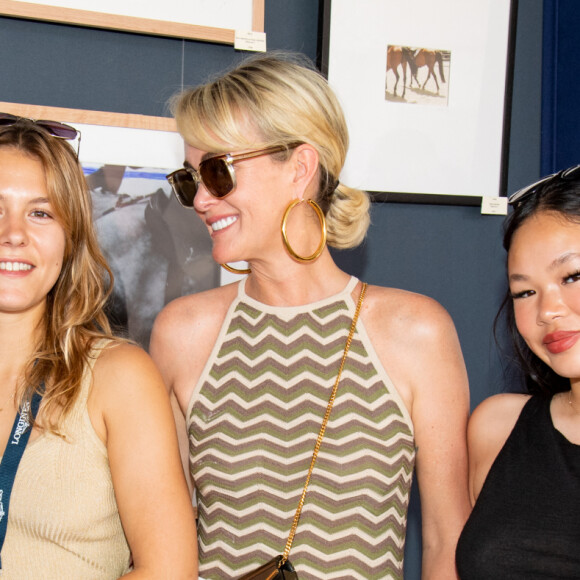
(401,148)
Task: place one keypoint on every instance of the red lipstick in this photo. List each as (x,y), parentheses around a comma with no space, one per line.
(561,341)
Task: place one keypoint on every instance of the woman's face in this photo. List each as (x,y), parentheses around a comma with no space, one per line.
(245,225)
(32,241)
(544,279)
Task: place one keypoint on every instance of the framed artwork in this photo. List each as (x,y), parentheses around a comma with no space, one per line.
(207,20)
(426,89)
(157,249)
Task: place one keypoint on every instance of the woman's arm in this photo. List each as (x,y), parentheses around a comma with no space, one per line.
(418,346)
(131,412)
(440,410)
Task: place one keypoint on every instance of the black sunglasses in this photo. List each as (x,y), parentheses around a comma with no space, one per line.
(570,174)
(217,174)
(54,128)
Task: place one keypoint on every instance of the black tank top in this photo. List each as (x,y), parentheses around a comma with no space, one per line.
(525,524)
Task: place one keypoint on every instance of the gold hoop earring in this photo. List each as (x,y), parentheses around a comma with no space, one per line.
(241,271)
(322,221)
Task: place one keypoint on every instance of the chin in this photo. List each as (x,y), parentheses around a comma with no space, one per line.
(567,371)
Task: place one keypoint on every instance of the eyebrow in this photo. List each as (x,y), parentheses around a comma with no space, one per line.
(563,259)
(210,155)
(31,201)
(559,261)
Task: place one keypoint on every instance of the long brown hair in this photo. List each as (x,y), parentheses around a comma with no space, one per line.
(74,316)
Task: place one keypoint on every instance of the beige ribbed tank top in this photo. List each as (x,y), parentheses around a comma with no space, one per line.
(63,522)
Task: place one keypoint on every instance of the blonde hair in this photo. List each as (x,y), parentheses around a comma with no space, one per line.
(281,98)
(74,317)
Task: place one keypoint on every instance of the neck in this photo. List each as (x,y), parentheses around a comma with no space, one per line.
(293,284)
(18,339)
(573,401)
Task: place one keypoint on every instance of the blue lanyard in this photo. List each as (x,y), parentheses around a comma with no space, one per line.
(11,459)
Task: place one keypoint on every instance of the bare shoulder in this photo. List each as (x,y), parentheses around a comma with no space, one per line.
(397,305)
(193,313)
(124,365)
(185,321)
(415,315)
(494,418)
(124,377)
(416,342)
(184,335)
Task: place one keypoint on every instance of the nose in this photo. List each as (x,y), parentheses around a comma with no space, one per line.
(12,230)
(551,305)
(203,199)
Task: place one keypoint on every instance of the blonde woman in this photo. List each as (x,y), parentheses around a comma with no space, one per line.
(253,364)
(98,490)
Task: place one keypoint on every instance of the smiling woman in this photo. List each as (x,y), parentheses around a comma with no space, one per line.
(77,466)
(525,449)
(33,240)
(544,266)
(268,369)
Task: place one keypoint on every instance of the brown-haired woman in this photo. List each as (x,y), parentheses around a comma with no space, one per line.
(98,490)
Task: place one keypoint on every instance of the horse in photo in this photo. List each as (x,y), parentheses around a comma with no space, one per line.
(156,250)
(424,57)
(394,59)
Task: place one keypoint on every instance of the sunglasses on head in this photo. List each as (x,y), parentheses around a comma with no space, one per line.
(54,128)
(216,174)
(570,174)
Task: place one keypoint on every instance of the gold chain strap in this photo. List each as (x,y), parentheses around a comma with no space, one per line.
(323,427)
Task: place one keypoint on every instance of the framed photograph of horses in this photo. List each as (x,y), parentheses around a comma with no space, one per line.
(157,249)
(431,89)
(426,89)
(205,20)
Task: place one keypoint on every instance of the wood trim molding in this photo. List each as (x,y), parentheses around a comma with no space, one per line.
(89,117)
(33,11)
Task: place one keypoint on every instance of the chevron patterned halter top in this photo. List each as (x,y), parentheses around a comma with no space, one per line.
(253,422)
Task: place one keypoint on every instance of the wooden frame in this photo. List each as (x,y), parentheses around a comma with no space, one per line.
(116,138)
(89,117)
(33,11)
(454,153)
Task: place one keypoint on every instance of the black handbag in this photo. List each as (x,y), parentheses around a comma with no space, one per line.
(280,568)
(272,570)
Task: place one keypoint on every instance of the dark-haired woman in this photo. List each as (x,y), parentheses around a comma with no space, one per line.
(525,448)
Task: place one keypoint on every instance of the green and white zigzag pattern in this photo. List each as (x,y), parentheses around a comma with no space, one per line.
(252,431)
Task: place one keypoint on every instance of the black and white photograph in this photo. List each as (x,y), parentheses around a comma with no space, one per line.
(157,250)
